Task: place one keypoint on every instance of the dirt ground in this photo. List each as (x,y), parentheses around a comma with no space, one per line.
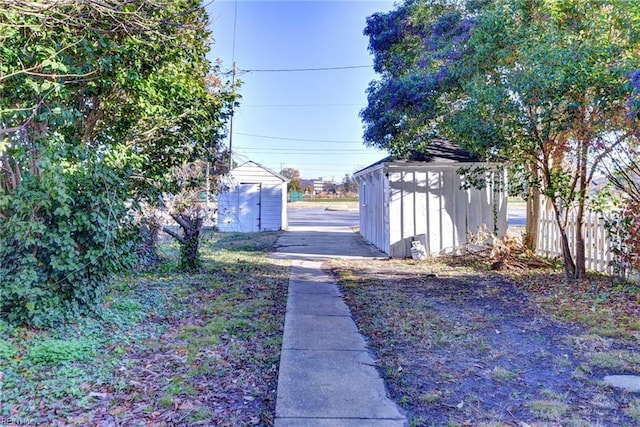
(462,347)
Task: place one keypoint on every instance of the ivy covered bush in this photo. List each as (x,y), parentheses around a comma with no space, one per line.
(66,233)
(99,100)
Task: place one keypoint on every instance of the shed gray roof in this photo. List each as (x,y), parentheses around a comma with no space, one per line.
(439,151)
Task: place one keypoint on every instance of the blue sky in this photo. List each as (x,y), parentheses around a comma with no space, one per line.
(307,120)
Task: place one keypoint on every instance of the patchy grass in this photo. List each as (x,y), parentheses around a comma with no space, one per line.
(166,349)
(500,373)
(633,410)
(474,347)
(552,410)
(609,307)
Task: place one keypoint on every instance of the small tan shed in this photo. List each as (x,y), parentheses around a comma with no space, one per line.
(423,198)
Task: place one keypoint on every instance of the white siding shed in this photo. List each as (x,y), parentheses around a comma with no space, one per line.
(423,198)
(254,199)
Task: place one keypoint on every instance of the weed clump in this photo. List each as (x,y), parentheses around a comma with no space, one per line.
(54,351)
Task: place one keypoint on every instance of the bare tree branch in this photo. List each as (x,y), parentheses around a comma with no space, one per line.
(173,234)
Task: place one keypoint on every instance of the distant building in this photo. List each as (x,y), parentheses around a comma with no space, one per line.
(318,186)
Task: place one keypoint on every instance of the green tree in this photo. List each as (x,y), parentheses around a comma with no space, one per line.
(293,175)
(349,184)
(544,83)
(622,169)
(188,210)
(98,100)
(551,81)
(417,48)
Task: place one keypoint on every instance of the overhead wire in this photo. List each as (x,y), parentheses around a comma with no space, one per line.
(242,71)
(299,105)
(240,153)
(331,141)
(297,150)
(289,70)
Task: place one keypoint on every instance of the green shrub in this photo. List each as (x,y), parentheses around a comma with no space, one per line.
(128,309)
(64,235)
(7,350)
(53,351)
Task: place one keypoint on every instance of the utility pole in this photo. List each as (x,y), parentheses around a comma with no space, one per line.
(233,83)
(233,106)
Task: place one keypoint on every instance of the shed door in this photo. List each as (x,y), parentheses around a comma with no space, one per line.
(249,204)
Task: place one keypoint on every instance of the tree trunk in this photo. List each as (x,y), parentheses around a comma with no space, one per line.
(147,249)
(533,219)
(189,241)
(190,246)
(569,266)
(581,268)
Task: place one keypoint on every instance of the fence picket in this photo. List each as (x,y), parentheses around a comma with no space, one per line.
(590,242)
(598,255)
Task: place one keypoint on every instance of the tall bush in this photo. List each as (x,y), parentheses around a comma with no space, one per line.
(65,232)
(98,100)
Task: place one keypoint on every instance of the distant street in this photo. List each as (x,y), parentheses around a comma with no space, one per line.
(320,217)
(517,214)
(318,232)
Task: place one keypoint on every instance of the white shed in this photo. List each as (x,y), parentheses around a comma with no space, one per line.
(423,198)
(254,199)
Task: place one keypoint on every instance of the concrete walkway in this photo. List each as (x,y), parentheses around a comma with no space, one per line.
(327,376)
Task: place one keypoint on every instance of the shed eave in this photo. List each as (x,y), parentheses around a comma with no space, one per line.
(370,169)
(426,166)
(266,169)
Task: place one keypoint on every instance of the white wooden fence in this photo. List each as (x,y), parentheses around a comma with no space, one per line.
(598,255)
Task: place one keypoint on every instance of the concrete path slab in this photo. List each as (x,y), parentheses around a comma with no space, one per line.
(317,245)
(332,384)
(311,332)
(308,303)
(321,234)
(327,375)
(626,382)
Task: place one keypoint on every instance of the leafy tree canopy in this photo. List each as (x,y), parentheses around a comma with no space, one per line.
(349,184)
(547,83)
(98,100)
(437,58)
(290,173)
(416,49)
(293,175)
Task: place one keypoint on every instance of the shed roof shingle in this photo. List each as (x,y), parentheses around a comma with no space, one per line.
(439,151)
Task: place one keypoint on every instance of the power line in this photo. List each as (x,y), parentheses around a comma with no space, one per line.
(318,165)
(300,105)
(334,141)
(233,46)
(287,70)
(240,157)
(295,150)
